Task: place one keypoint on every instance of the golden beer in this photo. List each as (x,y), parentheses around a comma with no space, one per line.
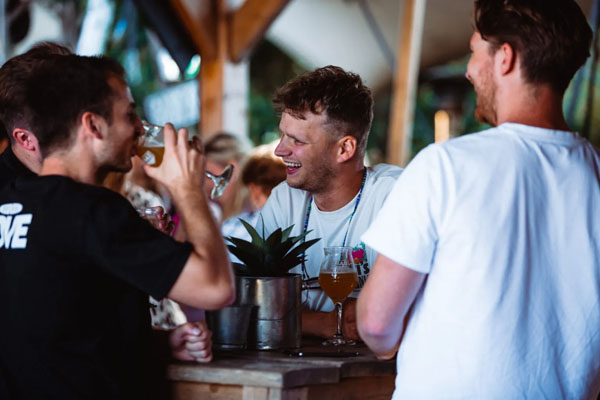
(151,155)
(338,285)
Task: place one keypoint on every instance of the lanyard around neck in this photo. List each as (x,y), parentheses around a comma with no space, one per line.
(309,207)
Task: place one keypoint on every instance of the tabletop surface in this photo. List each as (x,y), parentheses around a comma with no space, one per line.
(279,369)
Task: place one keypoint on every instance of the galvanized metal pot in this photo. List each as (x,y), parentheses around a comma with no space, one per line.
(275,322)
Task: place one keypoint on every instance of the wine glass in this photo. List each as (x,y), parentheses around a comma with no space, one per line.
(151,149)
(338,278)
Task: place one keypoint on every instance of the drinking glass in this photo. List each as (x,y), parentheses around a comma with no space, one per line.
(151,149)
(338,278)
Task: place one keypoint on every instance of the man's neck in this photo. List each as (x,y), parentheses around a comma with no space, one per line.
(27,158)
(78,171)
(540,107)
(341,190)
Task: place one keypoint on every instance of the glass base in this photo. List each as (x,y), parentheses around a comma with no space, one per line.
(338,341)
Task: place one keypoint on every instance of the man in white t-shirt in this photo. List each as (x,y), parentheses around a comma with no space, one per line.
(487,281)
(325,122)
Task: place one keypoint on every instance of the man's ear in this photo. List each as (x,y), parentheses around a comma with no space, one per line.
(508,58)
(346,148)
(93,124)
(25,139)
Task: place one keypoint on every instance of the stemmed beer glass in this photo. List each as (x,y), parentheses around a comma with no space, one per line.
(338,278)
(151,149)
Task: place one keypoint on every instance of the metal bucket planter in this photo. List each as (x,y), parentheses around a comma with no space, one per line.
(275,322)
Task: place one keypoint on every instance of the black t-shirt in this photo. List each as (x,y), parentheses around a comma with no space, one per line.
(11,167)
(76,267)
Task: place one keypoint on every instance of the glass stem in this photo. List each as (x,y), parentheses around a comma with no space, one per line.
(338,333)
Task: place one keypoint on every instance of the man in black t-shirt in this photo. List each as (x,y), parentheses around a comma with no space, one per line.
(75,258)
(23,158)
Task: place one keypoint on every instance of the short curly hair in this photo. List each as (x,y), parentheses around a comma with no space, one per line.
(341,95)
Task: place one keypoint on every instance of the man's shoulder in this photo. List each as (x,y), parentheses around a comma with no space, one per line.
(384,174)
(11,167)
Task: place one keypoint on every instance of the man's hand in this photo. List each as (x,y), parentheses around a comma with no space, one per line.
(183,162)
(191,342)
(158,218)
(349,328)
(324,324)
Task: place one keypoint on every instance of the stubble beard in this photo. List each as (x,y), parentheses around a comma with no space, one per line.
(485,111)
(317,179)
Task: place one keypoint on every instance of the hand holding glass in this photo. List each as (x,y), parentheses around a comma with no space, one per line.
(338,278)
(151,149)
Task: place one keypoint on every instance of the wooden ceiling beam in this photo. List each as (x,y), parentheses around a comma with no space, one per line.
(200,20)
(248,24)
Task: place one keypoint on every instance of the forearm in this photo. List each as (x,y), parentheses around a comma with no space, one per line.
(315,323)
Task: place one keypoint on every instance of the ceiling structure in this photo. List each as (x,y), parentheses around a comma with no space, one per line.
(341,32)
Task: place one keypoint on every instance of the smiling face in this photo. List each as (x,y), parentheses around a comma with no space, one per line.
(307,150)
(480,74)
(121,141)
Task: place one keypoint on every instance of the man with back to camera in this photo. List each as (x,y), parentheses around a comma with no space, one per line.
(23,158)
(76,257)
(497,250)
(326,116)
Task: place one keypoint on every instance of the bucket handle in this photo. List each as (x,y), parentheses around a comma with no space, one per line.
(309,284)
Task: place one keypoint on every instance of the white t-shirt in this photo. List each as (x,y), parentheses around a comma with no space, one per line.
(506,223)
(287,206)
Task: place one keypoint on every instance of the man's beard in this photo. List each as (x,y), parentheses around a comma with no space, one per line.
(485,111)
(318,179)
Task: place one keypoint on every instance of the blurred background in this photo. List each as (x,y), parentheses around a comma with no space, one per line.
(213,65)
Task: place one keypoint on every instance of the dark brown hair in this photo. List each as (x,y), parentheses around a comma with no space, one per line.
(551,37)
(60,90)
(264,171)
(13,76)
(341,95)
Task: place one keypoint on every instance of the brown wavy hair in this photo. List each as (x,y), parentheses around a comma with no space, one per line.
(341,95)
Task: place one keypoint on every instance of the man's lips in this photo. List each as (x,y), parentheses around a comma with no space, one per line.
(292,167)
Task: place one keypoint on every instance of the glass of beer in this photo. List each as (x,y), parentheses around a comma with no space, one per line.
(151,149)
(338,278)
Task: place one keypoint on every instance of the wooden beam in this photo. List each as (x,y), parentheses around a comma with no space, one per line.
(248,24)
(405,82)
(200,21)
(211,78)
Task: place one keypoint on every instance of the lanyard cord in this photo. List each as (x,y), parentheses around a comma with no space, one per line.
(309,207)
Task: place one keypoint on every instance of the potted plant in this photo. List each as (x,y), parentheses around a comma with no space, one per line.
(264,281)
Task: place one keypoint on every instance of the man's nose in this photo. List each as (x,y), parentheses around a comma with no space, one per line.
(281,149)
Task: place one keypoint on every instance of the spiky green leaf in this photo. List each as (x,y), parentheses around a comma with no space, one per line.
(274,239)
(286,233)
(294,257)
(257,240)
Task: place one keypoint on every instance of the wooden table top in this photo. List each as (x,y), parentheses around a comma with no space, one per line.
(280,370)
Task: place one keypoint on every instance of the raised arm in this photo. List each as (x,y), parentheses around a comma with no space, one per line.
(206,280)
(383,304)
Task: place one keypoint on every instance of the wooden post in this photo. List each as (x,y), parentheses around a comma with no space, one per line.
(211,78)
(221,36)
(405,82)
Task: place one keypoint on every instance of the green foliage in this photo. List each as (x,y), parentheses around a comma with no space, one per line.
(270,68)
(273,256)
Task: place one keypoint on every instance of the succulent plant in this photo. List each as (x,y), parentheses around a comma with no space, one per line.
(270,257)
